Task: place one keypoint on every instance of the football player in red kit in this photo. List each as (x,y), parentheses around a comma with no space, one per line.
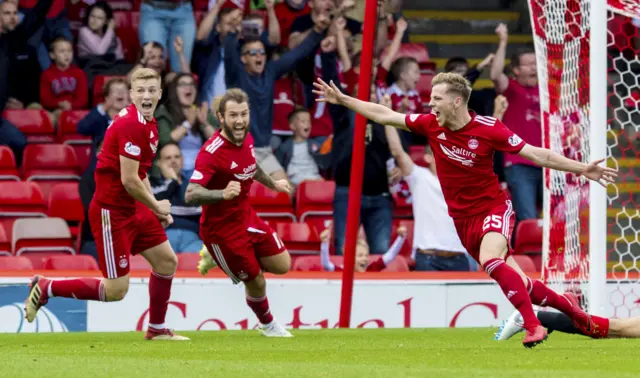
(240,243)
(124,215)
(463,144)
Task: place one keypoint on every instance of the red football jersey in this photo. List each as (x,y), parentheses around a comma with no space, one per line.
(218,163)
(464,160)
(129,135)
(398,95)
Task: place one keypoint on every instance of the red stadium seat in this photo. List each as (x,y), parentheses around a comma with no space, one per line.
(67,127)
(41,235)
(407,247)
(428,68)
(21,199)
(38,260)
(298,238)
(98,85)
(313,264)
(270,204)
(314,202)
(50,162)
(5,242)
(529,237)
(399,264)
(188,261)
(424,87)
(418,51)
(65,203)
(8,169)
(34,124)
(64,262)
(137,262)
(525,263)
(15,263)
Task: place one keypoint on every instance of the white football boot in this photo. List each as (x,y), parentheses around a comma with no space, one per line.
(274,329)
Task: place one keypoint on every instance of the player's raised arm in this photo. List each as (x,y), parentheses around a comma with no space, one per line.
(134,186)
(549,159)
(374,112)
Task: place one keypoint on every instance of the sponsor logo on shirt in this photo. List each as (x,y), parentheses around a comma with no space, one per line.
(473,143)
(248,173)
(514,140)
(197,175)
(459,154)
(132,149)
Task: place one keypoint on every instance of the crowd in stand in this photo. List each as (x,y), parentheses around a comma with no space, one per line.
(51,51)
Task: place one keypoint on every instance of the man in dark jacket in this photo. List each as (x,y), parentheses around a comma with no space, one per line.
(13,38)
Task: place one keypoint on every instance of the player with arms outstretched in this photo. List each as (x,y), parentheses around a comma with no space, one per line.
(124,215)
(240,243)
(463,144)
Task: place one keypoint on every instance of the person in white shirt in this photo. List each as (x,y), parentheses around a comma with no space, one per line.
(436,245)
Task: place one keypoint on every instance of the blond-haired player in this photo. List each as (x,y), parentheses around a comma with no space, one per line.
(463,145)
(125,217)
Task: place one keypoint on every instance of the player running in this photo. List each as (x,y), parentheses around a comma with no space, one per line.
(463,144)
(240,242)
(124,215)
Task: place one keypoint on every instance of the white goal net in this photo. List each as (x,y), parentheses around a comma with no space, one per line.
(590,108)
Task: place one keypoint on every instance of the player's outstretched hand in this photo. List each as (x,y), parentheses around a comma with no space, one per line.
(231,191)
(327,93)
(164,207)
(283,186)
(603,175)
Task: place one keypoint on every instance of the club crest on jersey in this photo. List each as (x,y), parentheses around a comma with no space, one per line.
(123,262)
(514,140)
(132,149)
(473,143)
(197,175)
(248,173)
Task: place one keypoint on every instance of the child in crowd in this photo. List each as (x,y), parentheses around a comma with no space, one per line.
(97,38)
(363,263)
(63,86)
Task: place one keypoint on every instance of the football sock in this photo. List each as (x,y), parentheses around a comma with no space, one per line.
(78,288)
(159,294)
(556,321)
(541,295)
(260,307)
(601,326)
(513,288)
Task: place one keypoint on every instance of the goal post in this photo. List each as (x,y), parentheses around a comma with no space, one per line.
(588,63)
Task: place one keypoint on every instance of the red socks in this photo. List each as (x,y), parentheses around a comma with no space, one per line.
(260,307)
(601,327)
(541,295)
(159,294)
(78,288)
(512,286)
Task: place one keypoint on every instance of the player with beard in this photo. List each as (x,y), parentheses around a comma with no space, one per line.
(125,217)
(463,144)
(240,243)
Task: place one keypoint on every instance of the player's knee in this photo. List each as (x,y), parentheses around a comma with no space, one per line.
(256,287)
(116,292)
(167,265)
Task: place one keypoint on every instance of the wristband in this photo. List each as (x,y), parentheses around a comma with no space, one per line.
(186,125)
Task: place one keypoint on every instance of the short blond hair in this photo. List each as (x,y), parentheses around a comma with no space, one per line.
(144,74)
(456,84)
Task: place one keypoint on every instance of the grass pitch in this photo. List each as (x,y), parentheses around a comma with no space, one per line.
(315,353)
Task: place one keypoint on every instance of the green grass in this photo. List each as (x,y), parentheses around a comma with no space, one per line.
(323,353)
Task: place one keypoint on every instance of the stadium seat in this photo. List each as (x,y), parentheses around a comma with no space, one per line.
(137,262)
(5,243)
(15,263)
(188,261)
(41,235)
(127,30)
(525,263)
(407,247)
(8,169)
(298,238)
(50,162)
(38,260)
(399,264)
(314,202)
(65,203)
(68,134)
(417,155)
(65,262)
(34,124)
(312,263)
(21,199)
(424,87)
(529,237)
(429,68)
(98,85)
(418,51)
(270,204)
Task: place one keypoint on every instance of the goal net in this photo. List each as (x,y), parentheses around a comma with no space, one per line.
(569,74)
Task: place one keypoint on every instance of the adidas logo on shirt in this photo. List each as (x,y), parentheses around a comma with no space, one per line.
(442,136)
(233,164)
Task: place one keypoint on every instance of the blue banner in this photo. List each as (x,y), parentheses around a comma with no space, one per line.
(59,315)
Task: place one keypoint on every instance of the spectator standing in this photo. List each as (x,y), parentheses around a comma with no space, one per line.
(182,122)
(14,36)
(288,94)
(63,86)
(183,233)
(55,25)
(163,21)
(250,70)
(523,117)
(287,12)
(436,244)
(481,100)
